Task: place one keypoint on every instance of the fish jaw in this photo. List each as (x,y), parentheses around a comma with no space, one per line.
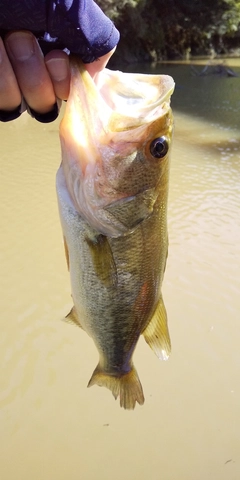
(81,121)
(100,138)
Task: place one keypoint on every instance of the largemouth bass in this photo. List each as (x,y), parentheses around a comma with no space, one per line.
(112,189)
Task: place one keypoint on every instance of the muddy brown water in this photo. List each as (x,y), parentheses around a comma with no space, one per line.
(51,426)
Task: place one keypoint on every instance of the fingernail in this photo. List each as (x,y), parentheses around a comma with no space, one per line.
(21,45)
(58,68)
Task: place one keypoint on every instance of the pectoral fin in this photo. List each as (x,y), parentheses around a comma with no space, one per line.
(156,334)
(133,210)
(103,260)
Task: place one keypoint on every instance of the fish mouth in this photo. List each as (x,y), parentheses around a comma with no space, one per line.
(116,109)
(104,126)
(135,99)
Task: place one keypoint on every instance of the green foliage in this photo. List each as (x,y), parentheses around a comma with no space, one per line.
(231,17)
(153,29)
(113,8)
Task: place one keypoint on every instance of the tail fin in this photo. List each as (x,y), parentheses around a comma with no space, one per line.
(127,386)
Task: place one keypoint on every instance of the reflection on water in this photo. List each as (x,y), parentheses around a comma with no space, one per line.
(52,426)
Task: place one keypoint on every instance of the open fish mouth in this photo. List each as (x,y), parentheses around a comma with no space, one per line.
(121,103)
(100,133)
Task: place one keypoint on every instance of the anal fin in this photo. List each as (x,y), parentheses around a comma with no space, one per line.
(72,318)
(156,333)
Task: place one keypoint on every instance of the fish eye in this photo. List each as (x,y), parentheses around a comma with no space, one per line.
(159,147)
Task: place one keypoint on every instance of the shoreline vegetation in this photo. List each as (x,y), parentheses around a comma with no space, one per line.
(156,30)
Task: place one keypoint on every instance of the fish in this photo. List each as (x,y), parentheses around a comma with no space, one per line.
(112,188)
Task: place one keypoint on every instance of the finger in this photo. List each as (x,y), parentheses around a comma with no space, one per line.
(28,64)
(99,64)
(57,63)
(10,95)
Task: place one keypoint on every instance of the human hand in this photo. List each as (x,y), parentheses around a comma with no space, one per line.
(24,71)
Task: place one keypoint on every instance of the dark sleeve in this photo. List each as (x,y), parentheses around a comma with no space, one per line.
(78,25)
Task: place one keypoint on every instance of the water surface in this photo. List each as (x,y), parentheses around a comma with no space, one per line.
(51,426)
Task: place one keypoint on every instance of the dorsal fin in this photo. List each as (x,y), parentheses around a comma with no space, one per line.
(66,251)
